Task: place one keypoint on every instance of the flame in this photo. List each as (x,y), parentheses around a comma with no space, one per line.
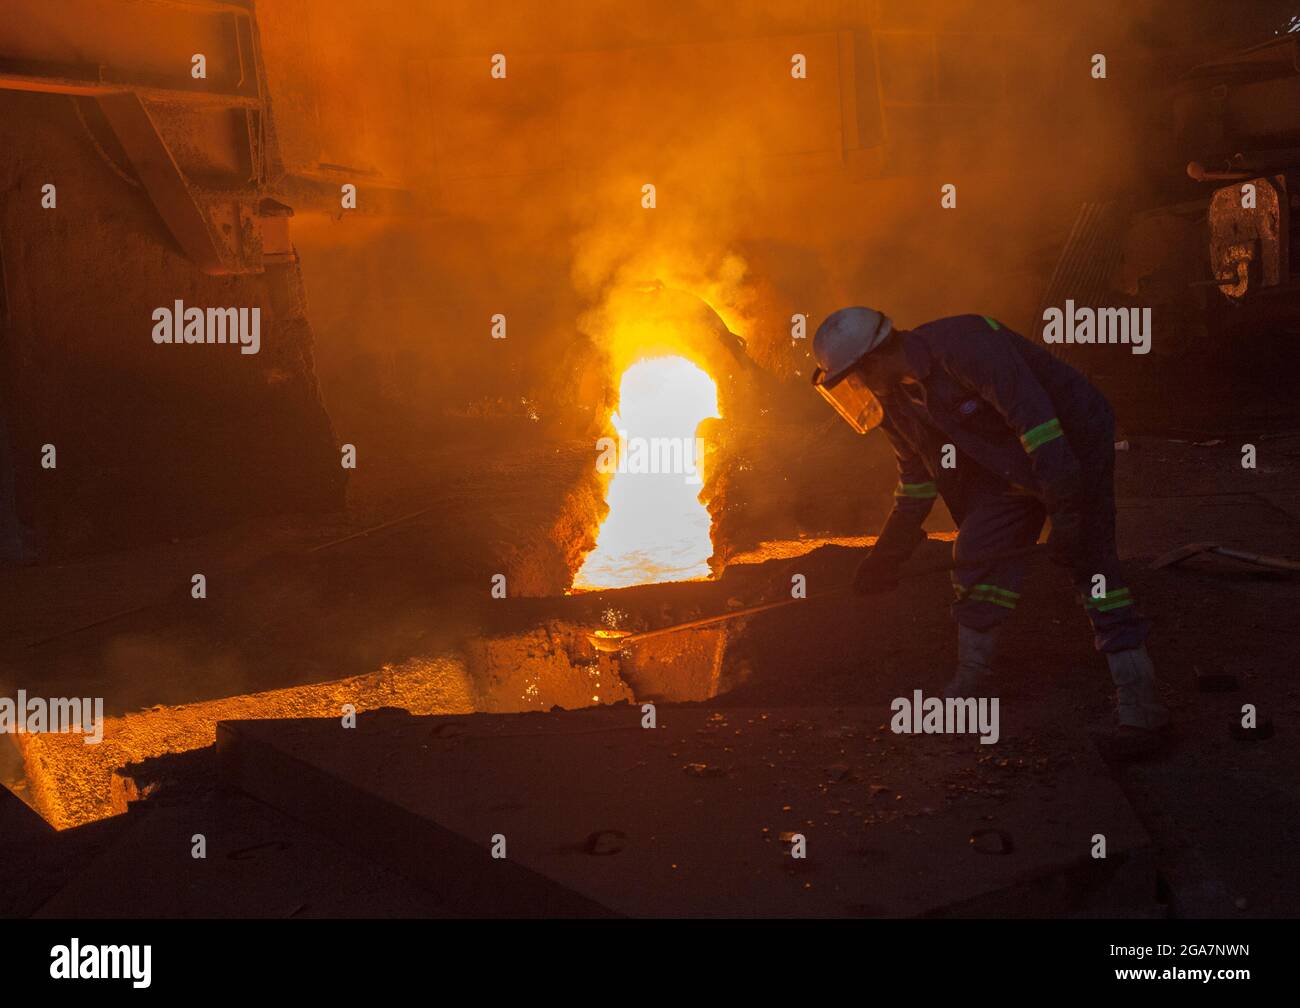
(657,528)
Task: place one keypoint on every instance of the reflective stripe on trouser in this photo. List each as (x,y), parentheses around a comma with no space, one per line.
(919,491)
(1116,624)
(994,522)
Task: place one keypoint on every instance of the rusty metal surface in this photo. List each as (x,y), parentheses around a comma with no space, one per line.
(93,46)
(1248,244)
(162,178)
(192,141)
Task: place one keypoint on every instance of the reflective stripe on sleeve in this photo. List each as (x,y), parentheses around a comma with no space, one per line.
(989,593)
(1038,436)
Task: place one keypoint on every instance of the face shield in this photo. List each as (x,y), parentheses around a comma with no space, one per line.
(852,400)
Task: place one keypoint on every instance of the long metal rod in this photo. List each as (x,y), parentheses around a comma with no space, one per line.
(150,605)
(374,528)
(1261,559)
(833,593)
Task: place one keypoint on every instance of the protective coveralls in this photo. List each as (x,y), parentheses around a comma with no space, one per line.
(1030,436)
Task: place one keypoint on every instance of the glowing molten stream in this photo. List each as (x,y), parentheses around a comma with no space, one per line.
(657,529)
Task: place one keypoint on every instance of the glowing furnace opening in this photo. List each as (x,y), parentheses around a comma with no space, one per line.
(657,528)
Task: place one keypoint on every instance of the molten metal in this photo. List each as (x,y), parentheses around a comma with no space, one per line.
(657,528)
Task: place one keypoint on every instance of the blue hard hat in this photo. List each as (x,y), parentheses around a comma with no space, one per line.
(845,337)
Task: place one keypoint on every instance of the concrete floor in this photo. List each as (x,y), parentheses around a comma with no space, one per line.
(699,816)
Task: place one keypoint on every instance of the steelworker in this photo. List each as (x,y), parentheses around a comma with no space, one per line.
(1010,436)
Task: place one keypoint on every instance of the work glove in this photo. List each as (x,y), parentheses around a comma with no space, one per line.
(1065,544)
(878,572)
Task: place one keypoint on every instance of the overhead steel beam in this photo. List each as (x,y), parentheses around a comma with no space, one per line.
(91,48)
(163,180)
(14,80)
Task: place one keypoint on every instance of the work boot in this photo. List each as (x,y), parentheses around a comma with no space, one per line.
(1135,690)
(974,662)
(1139,711)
